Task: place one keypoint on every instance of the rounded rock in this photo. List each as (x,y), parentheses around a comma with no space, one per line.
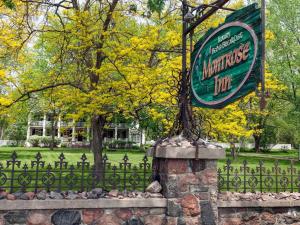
(155,220)
(38,218)
(108,219)
(10,197)
(66,217)
(190,205)
(89,216)
(113,193)
(124,214)
(42,195)
(154,187)
(30,195)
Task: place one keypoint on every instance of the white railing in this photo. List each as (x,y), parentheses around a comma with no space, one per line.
(80,124)
(110,140)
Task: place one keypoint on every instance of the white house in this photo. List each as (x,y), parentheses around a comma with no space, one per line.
(78,133)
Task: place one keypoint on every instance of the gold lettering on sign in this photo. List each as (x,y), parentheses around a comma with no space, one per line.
(225,61)
(222,84)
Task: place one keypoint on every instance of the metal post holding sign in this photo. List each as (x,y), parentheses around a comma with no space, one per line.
(189,23)
(263,54)
(227,63)
(183,99)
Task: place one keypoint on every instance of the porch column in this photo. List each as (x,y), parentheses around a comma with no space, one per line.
(88,134)
(73,131)
(129,135)
(58,127)
(44,124)
(143,136)
(28,126)
(116,131)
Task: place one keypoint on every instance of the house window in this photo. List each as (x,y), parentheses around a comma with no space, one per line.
(67,133)
(135,138)
(108,134)
(49,132)
(37,131)
(81,134)
(122,134)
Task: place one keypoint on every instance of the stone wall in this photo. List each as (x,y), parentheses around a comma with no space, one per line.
(133,216)
(146,212)
(84,212)
(277,212)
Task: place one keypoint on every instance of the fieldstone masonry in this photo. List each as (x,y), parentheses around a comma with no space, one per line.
(189,179)
(133,216)
(259,215)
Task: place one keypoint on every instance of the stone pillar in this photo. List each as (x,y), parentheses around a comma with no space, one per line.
(44,124)
(189,180)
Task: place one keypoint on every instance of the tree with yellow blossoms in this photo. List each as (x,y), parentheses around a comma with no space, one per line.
(104,58)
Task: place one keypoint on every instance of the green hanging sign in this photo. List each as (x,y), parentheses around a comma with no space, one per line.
(225,62)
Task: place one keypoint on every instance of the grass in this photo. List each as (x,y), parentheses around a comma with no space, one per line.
(72,155)
(268,172)
(284,158)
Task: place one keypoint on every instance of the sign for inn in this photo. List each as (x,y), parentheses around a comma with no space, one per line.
(226,61)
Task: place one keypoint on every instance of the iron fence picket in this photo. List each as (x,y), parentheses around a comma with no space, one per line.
(81,176)
(260,178)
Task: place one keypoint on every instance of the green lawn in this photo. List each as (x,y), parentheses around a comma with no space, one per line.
(78,178)
(270,178)
(72,155)
(284,159)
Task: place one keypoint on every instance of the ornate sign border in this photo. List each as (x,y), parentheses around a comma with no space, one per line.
(255,40)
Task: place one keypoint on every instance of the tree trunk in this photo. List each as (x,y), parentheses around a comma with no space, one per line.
(1,132)
(141,138)
(257,139)
(98,123)
(53,129)
(52,135)
(233,150)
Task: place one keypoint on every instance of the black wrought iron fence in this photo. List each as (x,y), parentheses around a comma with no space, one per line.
(261,178)
(80,176)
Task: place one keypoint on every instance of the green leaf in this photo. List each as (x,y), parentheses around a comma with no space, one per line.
(156,5)
(9,4)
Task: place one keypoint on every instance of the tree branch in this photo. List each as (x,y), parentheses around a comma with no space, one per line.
(26,95)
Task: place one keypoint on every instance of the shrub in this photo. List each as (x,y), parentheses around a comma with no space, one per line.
(135,147)
(244,149)
(34,141)
(265,150)
(64,145)
(46,141)
(119,144)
